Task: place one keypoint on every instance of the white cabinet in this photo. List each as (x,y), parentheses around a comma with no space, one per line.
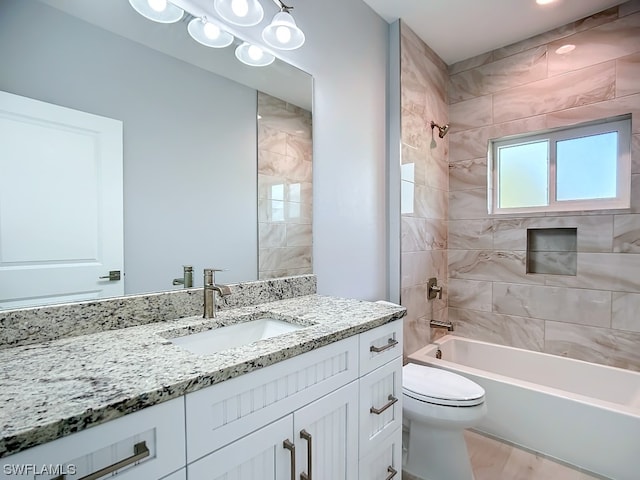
(222,413)
(317,441)
(333,413)
(380,403)
(339,408)
(147,444)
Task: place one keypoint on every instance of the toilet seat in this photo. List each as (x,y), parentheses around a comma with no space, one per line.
(440,387)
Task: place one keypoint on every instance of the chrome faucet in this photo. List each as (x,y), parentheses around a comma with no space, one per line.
(187,277)
(210,288)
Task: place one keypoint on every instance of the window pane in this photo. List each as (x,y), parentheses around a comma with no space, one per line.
(586,167)
(523,175)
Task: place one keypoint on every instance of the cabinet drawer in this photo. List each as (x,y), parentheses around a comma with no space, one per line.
(380,405)
(149,443)
(220,414)
(380,345)
(385,461)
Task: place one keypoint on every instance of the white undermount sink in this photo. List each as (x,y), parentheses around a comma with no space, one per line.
(223,338)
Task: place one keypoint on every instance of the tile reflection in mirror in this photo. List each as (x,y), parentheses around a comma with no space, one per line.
(284,188)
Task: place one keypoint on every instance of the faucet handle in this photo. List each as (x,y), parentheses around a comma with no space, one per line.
(210,275)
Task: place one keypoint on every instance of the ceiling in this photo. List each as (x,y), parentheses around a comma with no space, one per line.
(461,29)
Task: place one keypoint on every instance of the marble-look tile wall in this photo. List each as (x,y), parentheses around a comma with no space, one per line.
(425,183)
(284,188)
(526,87)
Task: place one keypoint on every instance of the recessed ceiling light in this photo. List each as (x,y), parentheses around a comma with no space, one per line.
(544,2)
(564,49)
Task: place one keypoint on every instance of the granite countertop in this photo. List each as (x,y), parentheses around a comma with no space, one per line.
(59,387)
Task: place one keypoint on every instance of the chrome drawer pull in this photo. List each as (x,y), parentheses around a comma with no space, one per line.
(292,448)
(307,436)
(378,411)
(140,451)
(390,344)
(392,473)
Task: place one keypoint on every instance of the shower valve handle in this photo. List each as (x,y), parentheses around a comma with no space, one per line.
(433,289)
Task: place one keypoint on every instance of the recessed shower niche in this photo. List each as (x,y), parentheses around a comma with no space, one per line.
(552,251)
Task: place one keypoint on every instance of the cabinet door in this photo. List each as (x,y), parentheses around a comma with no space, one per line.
(384,462)
(259,456)
(326,434)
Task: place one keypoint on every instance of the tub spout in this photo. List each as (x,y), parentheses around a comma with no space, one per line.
(441,324)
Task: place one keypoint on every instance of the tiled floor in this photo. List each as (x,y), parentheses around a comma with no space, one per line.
(494,460)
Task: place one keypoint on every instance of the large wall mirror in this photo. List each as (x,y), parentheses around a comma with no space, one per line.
(216,155)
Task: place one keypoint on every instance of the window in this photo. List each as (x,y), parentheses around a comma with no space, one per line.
(584,167)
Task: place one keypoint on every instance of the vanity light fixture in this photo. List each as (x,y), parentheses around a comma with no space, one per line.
(161,11)
(544,2)
(282,32)
(209,33)
(253,55)
(244,13)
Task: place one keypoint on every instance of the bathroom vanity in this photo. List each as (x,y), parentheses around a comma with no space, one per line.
(323,398)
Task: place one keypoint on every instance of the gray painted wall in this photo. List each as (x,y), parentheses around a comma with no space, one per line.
(346,52)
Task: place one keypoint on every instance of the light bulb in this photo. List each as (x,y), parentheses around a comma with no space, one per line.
(158,5)
(240,7)
(255,53)
(211,31)
(283,34)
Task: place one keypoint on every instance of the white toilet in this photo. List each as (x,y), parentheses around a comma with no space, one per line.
(437,406)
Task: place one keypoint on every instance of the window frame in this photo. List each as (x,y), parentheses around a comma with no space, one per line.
(622,200)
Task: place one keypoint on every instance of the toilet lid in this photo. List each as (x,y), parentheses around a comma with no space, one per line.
(438,386)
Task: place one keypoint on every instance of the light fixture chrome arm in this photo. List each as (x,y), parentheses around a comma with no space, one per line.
(282,6)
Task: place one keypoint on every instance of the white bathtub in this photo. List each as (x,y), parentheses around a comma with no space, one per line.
(581,413)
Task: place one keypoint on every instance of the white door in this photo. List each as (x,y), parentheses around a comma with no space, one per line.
(326,434)
(258,456)
(61,215)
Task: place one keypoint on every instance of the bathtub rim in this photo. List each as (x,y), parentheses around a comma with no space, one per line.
(430,352)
